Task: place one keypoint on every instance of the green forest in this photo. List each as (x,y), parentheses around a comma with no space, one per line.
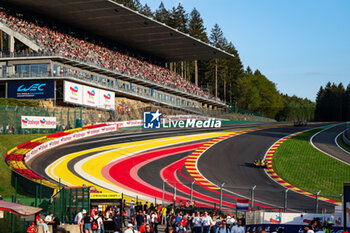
(333,103)
(237,86)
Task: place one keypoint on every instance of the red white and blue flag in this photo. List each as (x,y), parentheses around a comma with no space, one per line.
(242,204)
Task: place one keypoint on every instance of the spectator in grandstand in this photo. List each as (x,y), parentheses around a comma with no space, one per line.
(40,222)
(54,40)
(238,228)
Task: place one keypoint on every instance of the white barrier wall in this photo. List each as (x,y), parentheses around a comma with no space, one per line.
(68,138)
(302,218)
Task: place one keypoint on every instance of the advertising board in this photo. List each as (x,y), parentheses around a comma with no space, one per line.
(38,122)
(31,90)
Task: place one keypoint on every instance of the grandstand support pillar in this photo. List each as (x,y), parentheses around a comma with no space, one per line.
(11,43)
(216,77)
(196,72)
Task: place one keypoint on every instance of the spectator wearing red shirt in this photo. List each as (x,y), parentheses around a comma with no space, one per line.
(31,228)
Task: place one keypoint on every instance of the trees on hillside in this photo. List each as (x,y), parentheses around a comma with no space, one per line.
(226,77)
(333,103)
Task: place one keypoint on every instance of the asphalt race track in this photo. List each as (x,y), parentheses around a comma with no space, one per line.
(136,162)
(233,160)
(325,141)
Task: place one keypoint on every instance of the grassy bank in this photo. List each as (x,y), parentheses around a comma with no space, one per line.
(342,143)
(301,165)
(7,142)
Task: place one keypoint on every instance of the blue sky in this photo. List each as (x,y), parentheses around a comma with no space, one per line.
(299,45)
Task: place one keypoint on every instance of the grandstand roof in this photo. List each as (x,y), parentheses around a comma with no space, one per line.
(117,22)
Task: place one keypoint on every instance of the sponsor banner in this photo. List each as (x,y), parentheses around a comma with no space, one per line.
(91,96)
(31,90)
(88,96)
(301,218)
(103,196)
(69,138)
(73,93)
(38,122)
(107,100)
(125,124)
(269,228)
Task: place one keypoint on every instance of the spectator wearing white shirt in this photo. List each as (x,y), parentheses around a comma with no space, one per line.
(207,222)
(154,221)
(130,229)
(197,223)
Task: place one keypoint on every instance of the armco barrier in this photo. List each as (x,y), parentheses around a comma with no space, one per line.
(17,157)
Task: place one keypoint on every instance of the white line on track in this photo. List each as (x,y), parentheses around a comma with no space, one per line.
(311,142)
(335,140)
(229,191)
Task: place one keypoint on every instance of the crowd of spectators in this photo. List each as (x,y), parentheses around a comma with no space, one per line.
(55,40)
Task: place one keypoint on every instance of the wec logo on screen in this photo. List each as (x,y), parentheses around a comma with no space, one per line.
(34,87)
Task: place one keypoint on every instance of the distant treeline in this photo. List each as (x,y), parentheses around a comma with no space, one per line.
(333,103)
(237,86)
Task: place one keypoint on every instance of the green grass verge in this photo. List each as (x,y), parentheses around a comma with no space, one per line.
(342,144)
(303,166)
(7,142)
(19,102)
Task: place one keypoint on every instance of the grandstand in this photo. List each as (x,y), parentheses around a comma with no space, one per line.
(98,44)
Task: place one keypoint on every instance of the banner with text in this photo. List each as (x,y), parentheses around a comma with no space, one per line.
(38,122)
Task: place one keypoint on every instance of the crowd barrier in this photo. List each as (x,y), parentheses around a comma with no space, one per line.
(286,228)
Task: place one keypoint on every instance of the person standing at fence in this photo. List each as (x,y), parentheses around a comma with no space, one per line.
(238,228)
(40,222)
(207,222)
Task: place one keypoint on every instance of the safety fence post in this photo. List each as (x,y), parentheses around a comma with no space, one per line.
(252,197)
